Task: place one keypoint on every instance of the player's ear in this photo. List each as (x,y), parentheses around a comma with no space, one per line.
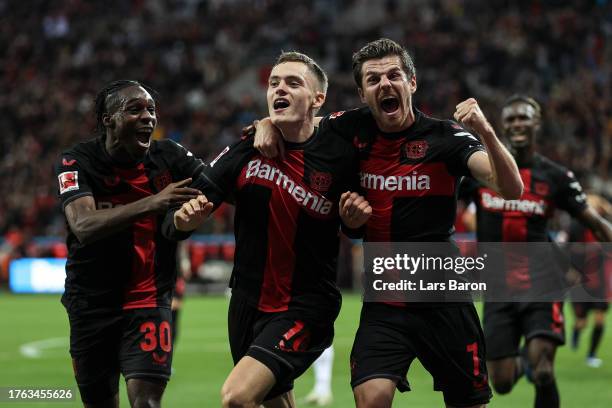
(538,124)
(413,84)
(107,121)
(361,95)
(319,100)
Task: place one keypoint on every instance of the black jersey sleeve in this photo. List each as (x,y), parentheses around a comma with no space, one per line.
(460,145)
(184,163)
(569,195)
(353,233)
(345,123)
(468,189)
(216,180)
(72,179)
(355,186)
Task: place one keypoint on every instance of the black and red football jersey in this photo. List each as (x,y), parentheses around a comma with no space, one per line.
(135,267)
(590,258)
(410,178)
(287,220)
(547,186)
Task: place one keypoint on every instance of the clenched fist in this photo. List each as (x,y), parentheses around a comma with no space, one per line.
(354,210)
(468,112)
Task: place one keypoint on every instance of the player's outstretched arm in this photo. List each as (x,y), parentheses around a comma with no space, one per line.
(90,224)
(496,168)
(192,214)
(600,227)
(354,209)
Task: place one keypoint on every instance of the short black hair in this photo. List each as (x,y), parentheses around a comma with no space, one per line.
(525,99)
(106,100)
(294,56)
(380,49)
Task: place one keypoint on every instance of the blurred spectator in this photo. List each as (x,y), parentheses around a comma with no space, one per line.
(207,59)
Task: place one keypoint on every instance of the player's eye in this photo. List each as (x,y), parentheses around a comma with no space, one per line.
(372,80)
(294,84)
(273,83)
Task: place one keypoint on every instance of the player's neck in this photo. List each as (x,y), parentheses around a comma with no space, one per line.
(117,153)
(297,132)
(405,124)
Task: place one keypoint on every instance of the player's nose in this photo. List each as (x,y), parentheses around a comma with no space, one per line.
(384,82)
(281,88)
(147,116)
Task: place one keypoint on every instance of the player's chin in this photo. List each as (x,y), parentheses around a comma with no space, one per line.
(280,120)
(139,150)
(520,144)
(390,121)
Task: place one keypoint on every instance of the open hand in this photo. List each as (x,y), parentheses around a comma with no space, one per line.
(172,194)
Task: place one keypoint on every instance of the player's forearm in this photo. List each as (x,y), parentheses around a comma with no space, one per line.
(602,229)
(94,225)
(505,177)
(604,234)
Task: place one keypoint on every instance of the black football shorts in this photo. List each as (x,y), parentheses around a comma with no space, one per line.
(582,309)
(506,322)
(447,340)
(284,342)
(136,343)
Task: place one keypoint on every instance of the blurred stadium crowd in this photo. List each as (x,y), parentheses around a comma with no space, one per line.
(209,61)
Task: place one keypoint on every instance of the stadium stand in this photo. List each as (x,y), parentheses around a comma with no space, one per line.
(209,60)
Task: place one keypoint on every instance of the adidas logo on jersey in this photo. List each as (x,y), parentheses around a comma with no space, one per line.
(305,198)
(492,202)
(412,181)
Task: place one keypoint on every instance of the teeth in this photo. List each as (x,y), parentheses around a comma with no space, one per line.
(142,144)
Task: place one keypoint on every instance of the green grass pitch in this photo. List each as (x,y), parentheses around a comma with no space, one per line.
(38,327)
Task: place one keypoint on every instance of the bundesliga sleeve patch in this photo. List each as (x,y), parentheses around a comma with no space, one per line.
(68,181)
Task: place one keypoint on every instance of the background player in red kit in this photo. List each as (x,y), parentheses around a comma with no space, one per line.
(394,140)
(595,263)
(540,323)
(114,191)
(284,296)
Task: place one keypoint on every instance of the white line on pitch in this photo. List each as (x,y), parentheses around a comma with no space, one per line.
(35,349)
